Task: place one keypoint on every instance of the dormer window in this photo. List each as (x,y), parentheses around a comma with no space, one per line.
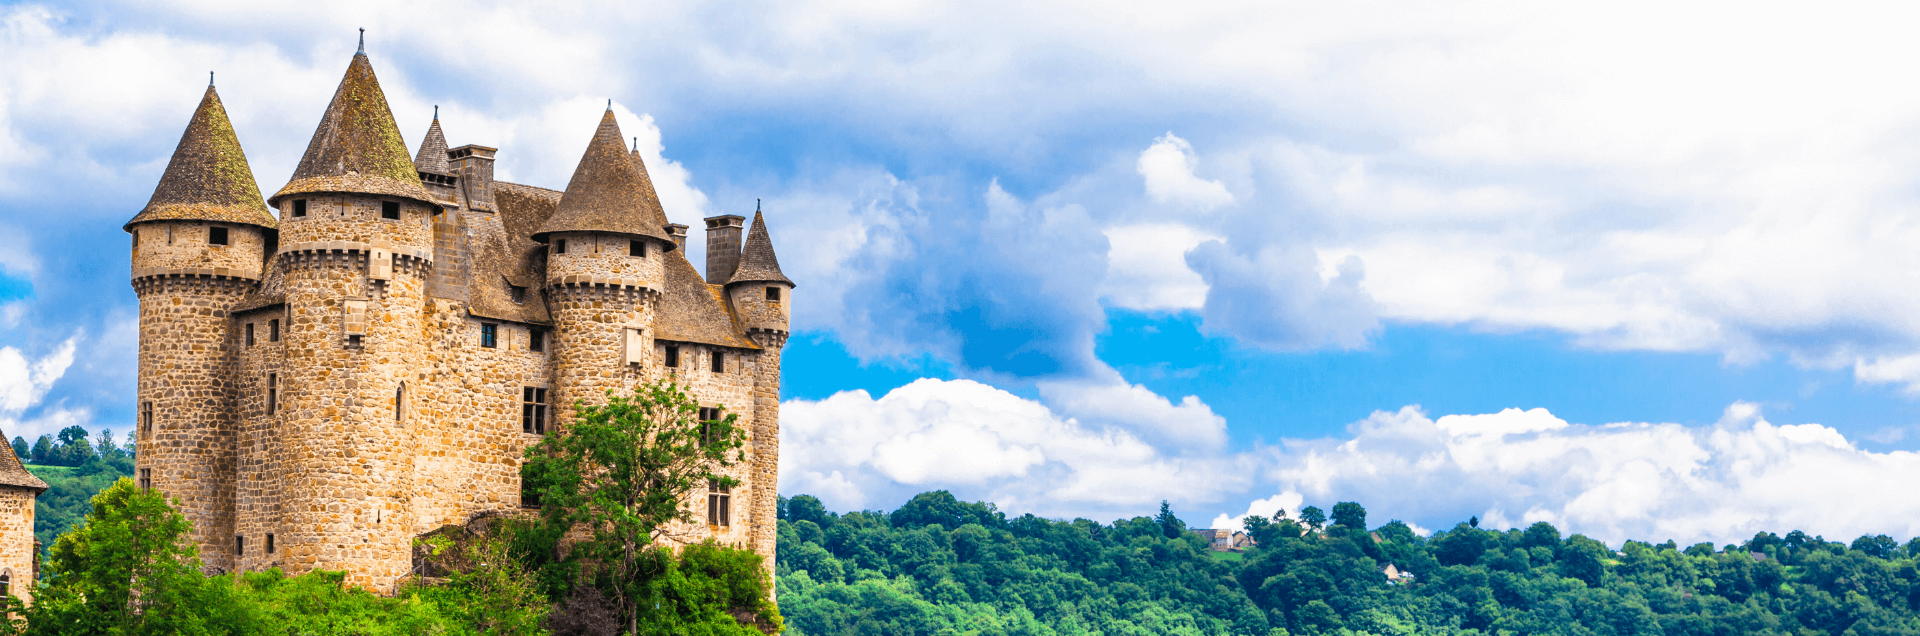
(517,293)
(217,236)
(390,210)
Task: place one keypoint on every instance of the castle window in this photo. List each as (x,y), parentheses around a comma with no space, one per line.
(136,238)
(273,393)
(6,584)
(390,210)
(489,335)
(719,362)
(773,294)
(560,246)
(299,207)
(269,543)
(239,545)
(249,334)
(169,235)
(517,293)
(637,247)
(708,417)
(536,340)
(273,330)
(533,410)
(146,418)
(719,504)
(146,479)
(673,356)
(399,402)
(217,235)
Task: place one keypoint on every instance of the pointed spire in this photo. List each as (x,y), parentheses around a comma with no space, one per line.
(357,147)
(646,185)
(363,42)
(608,193)
(432,158)
(208,178)
(757,262)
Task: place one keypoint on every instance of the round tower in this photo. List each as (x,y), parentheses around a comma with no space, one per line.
(354,257)
(762,298)
(606,248)
(198,249)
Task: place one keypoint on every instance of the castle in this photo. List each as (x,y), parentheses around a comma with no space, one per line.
(320,386)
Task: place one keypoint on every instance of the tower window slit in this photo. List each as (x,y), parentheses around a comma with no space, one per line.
(273,330)
(146,418)
(719,362)
(146,479)
(273,392)
(239,545)
(269,545)
(249,334)
(400,402)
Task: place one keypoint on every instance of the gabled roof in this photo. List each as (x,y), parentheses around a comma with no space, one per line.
(432,157)
(757,262)
(13,474)
(608,193)
(357,147)
(208,178)
(693,311)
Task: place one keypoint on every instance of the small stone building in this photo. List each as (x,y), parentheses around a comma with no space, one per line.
(19,552)
(363,356)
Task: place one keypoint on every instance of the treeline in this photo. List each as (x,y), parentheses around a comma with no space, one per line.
(71,447)
(937,565)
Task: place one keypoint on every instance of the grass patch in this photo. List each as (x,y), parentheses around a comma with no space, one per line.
(44,472)
(1230,556)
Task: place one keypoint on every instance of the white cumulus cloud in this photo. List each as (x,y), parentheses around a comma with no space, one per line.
(24,383)
(1168,165)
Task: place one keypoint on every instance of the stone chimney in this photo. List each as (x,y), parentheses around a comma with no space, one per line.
(723,247)
(474,167)
(679,233)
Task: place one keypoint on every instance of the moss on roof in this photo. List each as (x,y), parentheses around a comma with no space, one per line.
(357,147)
(608,193)
(433,151)
(208,178)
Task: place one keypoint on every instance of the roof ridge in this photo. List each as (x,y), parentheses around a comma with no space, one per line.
(757,260)
(357,146)
(207,178)
(607,193)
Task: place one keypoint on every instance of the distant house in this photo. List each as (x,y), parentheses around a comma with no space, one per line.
(1218,539)
(1242,541)
(1396,576)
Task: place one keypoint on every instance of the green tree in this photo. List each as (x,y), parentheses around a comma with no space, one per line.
(1348,514)
(131,569)
(622,472)
(42,449)
(1170,525)
(1313,516)
(21,450)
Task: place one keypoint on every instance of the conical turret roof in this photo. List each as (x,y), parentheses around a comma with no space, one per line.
(757,262)
(608,193)
(646,183)
(357,147)
(208,178)
(432,157)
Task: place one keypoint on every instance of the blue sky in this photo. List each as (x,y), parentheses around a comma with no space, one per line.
(1638,277)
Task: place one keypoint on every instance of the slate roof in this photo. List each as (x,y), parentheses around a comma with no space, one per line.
(757,262)
(512,257)
(607,193)
(693,311)
(208,178)
(433,150)
(357,147)
(13,474)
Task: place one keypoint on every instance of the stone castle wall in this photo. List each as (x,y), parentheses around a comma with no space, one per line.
(183,246)
(16,552)
(470,443)
(355,218)
(261,447)
(186,382)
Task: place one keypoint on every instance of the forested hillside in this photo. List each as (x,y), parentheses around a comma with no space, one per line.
(937,565)
(75,469)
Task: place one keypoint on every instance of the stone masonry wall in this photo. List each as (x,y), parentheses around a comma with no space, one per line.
(260,444)
(183,245)
(186,368)
(604,256)
(469,447)
(349,480)
(732,389)
(750,304)
(356,218)
(16,552)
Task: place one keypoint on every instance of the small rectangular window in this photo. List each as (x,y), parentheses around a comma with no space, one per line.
(269,543)
(217,235)
(390,210)
(146,418)
(249,334)
(709,416)
(239,545)
(773,294)
(400,402)
(673,356)
(560,246)
(136,238)
(490,335)
(299,207)
(719,362)
(637,247)
(719,504)
(536,340)
(273,392)
(533,410)
(146,479)
(273,330)
(517,294)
